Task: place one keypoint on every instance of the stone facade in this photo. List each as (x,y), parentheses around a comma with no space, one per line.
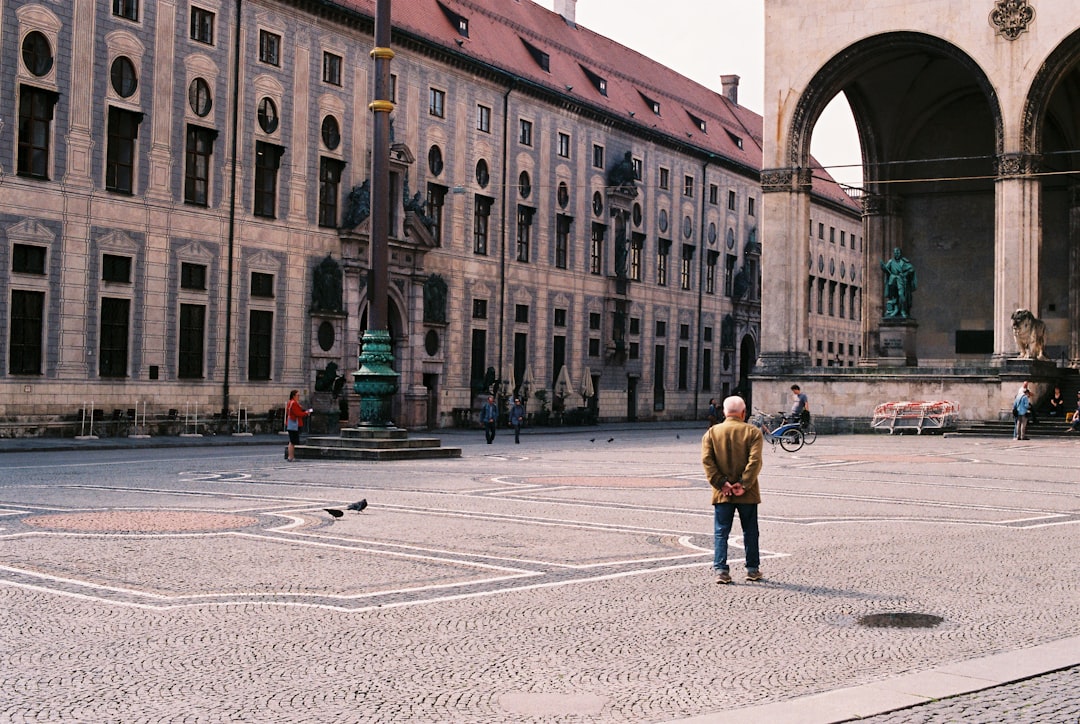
(969,132)
(175,173)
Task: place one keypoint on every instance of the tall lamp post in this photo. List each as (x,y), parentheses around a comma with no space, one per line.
(375,382)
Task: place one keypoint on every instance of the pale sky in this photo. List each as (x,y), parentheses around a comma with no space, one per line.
(705,39)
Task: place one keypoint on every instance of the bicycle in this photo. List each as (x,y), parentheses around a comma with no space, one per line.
(787,434)
(809,431)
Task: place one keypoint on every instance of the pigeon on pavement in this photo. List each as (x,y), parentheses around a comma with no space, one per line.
(611,439)
(359,505)
(335,513)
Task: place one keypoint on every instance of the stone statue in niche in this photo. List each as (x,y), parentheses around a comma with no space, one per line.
(324,379)
(326,288)
(357,206)
(435,291)
(622,246)
(415,205)
(741,285)
(621,176)
(727,332)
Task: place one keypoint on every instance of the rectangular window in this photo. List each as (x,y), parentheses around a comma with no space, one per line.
(262,285)
(851,304)
(684,331)
(436,198)
(558,357)
(832,234)
(684,368)
(832,299)
(562,240)
(525,137)
(202,25)
(123,130)
(483,119)
(481,217)
(637,244)
(688,187)
(821,296)
(24,338)
(524,232)
(436,102)
(634,350)
(113,349)
(192,334)
(28,258)
(331,68)
(661,262)
(267,162)
(564,145)
(729,274)
(116,268)
(597,156)
(479,309)
(638,168)
(596,249)
(192,276)
(126,9)
(200,146)
(478,359)
(750,206)
(821,231)
(393,88)
(329,187)
(664,178)
(521,313)
(35,124)
(710,272)
(684,266)
(594,320)
(714,194)
(635,325)
(843,238)
(560,318)
(594,348)
(269,47)
(658,377)
(260,339)
(706,370)
(731,200)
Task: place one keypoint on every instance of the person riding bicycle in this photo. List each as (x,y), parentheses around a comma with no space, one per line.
(800,408)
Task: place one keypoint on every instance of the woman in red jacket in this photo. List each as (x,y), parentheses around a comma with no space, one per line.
(294,415)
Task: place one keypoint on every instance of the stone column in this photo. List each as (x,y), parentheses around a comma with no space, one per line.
(785,331)
(883,230)
(1074,276)
(1017,240)
(161,150)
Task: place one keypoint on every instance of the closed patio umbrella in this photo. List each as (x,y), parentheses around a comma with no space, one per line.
(587,389)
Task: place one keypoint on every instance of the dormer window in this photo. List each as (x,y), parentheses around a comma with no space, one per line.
(542,59)
(735,139)
(599,83)
(654,106)
(459,21)
(700,123)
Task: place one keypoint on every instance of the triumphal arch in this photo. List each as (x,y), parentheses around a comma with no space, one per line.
(968,116)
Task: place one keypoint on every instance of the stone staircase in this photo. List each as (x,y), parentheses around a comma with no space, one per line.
(384,443)
(1046,427)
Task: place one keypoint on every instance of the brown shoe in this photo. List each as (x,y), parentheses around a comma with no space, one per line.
(723,577)
(754,576)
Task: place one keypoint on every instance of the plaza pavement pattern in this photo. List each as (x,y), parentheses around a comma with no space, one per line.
(566,579)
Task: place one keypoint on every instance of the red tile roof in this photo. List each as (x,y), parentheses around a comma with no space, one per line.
(496,29)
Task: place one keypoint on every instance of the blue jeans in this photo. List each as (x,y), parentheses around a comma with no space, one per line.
(724,516)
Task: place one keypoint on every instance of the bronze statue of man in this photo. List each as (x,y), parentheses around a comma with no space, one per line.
(900,282)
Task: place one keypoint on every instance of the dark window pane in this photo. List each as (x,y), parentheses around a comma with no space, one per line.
(260,336)
(262,285)
(116,268)
(112,360)
(24,342)
(192,276)
(28,259)
(192,334)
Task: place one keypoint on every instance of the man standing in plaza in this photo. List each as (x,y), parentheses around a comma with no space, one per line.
(489,418)
(731,456)
(800,406)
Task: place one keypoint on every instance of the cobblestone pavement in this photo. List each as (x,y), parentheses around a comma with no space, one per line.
(1048,699)
(565,579)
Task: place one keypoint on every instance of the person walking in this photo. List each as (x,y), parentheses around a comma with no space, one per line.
(1021,411)
(714,412)
(294,417)
(517,418)
(489,418)
(731,457)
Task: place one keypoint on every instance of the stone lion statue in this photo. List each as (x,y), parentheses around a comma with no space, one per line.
(1029,333)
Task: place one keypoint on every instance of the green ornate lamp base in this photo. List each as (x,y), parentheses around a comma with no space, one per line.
(376,381)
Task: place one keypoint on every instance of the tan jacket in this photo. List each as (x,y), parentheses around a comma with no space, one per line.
(731,451)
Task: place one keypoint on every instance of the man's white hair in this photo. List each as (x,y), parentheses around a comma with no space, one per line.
(734,405)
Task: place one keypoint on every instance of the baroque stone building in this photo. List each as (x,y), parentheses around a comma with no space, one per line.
(185,213)
(968,120)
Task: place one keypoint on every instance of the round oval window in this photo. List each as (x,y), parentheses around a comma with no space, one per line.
(431,343)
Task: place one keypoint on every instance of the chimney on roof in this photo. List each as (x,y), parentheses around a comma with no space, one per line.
(568,10)
(730,86)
